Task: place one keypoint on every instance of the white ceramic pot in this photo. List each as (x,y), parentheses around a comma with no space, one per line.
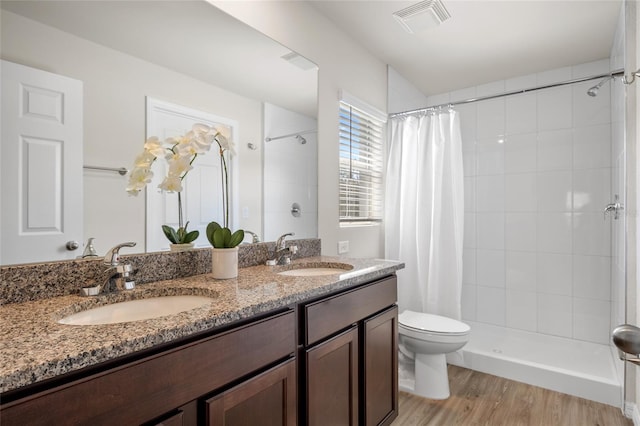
(180,247)
(224,263)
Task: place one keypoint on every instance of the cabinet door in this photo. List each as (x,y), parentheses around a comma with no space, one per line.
(380,360)
(332,381)
(268,399)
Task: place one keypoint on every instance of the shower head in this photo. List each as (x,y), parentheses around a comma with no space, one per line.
(593,92)
(301,139)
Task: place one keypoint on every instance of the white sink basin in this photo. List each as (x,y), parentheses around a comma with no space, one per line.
(312,272)
(136,310)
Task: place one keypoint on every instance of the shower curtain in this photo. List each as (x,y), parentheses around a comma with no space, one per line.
(425,211)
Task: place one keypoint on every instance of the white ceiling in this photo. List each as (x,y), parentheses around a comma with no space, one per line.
(191,37)
(483,41)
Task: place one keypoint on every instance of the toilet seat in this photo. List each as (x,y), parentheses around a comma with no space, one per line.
(432,324)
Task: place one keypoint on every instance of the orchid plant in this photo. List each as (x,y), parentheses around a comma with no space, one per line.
(179,153)
(221,236)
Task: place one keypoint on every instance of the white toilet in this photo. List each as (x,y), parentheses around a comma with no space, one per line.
(428,338)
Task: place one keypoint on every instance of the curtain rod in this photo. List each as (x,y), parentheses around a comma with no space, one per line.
(613,74)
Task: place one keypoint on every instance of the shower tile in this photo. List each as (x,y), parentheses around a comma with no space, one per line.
(491,119)
(469,162)
(554,76)
(469,194)
(591,320)
(469,266)
(592,147)
(555,315)
(439,99)
(555,232)
(591,190)
(521,192)
(521,231)
(469,239)
(490,270)
(490,230)
(554,273)
(554,191)
(469,297)
(555,150)
(589,110)
(521,271)
(490,156)
(468,125)
(555,109)
(491,305)
(490,193)
(522,310)
(521,114)
(590,68)
(463,94)
(592,277)
(520,153)
(591,234)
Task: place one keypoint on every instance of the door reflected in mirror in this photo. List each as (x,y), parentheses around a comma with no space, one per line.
(189,54)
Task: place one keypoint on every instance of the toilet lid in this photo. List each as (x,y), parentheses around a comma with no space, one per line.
(432,323)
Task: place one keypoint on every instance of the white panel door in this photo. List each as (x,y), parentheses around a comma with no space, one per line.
(41,165)
(202,189)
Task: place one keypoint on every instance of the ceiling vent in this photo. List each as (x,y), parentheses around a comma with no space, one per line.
(422,16)
(299,61)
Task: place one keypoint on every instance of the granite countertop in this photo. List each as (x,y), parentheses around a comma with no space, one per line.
(34,347)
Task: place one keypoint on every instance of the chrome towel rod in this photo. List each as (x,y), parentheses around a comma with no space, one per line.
(616,73)
(289,135)
(121,171)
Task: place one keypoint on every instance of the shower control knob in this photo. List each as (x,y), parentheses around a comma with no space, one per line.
(72,245)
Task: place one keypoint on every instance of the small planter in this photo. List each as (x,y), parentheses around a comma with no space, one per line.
(224,263)
(180,247)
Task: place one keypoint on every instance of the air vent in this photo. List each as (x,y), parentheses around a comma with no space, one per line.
(299,61)
(421,16)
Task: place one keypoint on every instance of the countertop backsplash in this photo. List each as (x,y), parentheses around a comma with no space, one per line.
(35,281)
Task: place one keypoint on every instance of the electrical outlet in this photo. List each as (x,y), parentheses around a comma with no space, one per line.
(245,212)
(343,247)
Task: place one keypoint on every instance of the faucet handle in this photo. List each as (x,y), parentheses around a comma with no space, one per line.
(113,255)
(280,242)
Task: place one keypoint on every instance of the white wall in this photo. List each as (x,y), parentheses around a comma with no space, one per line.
(115,86)
(343,64)
(537,176)
(290,174)
(403,95)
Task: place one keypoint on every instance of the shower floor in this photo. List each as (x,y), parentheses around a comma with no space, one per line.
(583,369)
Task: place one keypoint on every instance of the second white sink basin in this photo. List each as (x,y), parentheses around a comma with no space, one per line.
(312,272)
(136,310)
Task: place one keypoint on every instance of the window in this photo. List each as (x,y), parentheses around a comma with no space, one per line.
(361,165)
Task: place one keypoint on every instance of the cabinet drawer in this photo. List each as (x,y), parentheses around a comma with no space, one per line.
(335,313)
(145,389)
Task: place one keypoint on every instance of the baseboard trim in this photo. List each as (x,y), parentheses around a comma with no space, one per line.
(631,411)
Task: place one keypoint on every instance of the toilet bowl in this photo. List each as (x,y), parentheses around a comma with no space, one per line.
(429,338)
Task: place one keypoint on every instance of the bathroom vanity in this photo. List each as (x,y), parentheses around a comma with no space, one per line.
(272,350)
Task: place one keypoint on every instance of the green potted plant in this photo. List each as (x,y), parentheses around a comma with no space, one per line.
(181,238)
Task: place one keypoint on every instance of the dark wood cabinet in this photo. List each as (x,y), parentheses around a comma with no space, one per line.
(268,399)
(350,366)
(332,381)
(327,361)
(380,377)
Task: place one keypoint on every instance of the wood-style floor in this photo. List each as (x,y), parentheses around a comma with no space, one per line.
(481,399)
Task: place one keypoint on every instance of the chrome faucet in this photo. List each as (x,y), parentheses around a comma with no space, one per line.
(282,254)
(118,275)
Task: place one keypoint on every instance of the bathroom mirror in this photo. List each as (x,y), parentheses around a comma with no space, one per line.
(188,53)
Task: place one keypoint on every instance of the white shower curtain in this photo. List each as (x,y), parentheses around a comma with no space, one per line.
(425,211)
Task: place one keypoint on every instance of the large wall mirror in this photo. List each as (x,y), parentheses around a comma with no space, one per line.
(187,53)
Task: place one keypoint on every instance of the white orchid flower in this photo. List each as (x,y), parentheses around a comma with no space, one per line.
(179,165)
(222,136)
(144,160)
(138,178)
(154,146)
(200,128)
(171,183)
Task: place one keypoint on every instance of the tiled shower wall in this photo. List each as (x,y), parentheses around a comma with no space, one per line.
(538,174)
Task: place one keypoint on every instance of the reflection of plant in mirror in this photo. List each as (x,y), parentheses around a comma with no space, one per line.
(181,236)
(220,237)
(179,153)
